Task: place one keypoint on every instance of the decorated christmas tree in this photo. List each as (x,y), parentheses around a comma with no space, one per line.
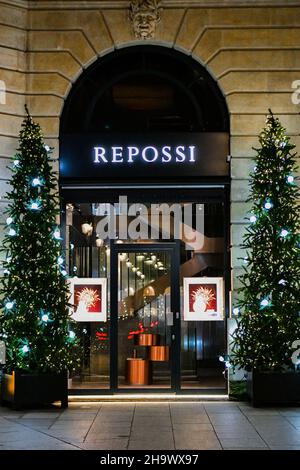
(269,305)
(34,318)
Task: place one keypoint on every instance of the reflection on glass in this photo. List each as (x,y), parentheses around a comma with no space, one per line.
(144,320)
(87,259)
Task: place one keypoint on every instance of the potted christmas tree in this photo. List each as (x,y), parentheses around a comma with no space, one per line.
(269,300)
(41,346)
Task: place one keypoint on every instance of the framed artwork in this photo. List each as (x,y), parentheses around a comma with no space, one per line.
(203,298)
(88,298)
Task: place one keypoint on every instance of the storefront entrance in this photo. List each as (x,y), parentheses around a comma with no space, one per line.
(147,322)
(144,181)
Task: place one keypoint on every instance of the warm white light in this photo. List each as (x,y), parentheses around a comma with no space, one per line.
(123,256)
(134,269)
(99,242)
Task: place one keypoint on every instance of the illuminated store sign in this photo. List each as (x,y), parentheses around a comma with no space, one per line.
(148,154)
(94,157)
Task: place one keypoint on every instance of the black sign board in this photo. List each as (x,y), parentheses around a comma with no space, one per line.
(180,156)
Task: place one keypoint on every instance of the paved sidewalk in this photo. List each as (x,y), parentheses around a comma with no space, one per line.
(146,426)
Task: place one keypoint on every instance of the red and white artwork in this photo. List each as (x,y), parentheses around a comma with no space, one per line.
(88,299)
(203,298)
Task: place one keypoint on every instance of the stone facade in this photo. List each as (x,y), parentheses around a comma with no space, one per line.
(250,47)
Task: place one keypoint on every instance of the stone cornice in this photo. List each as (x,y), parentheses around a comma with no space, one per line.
(121,4)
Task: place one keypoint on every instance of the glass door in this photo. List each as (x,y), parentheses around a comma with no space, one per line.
(144,315)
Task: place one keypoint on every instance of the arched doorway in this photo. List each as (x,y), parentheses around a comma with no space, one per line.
(143,142)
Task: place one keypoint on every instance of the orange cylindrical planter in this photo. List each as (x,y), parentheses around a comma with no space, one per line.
(146,339)
(138,372)
(159,353)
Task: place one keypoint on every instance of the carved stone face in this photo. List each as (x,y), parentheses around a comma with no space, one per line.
(144,23)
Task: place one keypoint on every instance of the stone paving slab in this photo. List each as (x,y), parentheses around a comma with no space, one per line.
(151,426)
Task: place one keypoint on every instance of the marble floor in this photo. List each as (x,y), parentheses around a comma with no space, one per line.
(146,426)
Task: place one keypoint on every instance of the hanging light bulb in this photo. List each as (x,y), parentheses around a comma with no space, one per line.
(134,269)
(128,264)
(25,349)
(142,276)
(60,260)
(99,242)
(12,232)
(253,219)
(290,179)
(71,334)
(16,162)
(221,359)
(236,311)
(9,220)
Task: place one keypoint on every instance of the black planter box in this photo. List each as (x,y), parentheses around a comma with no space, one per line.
(25,389)
(273,388)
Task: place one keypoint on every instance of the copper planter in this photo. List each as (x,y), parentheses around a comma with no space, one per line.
(159,353)
(138,372)
(147,339)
